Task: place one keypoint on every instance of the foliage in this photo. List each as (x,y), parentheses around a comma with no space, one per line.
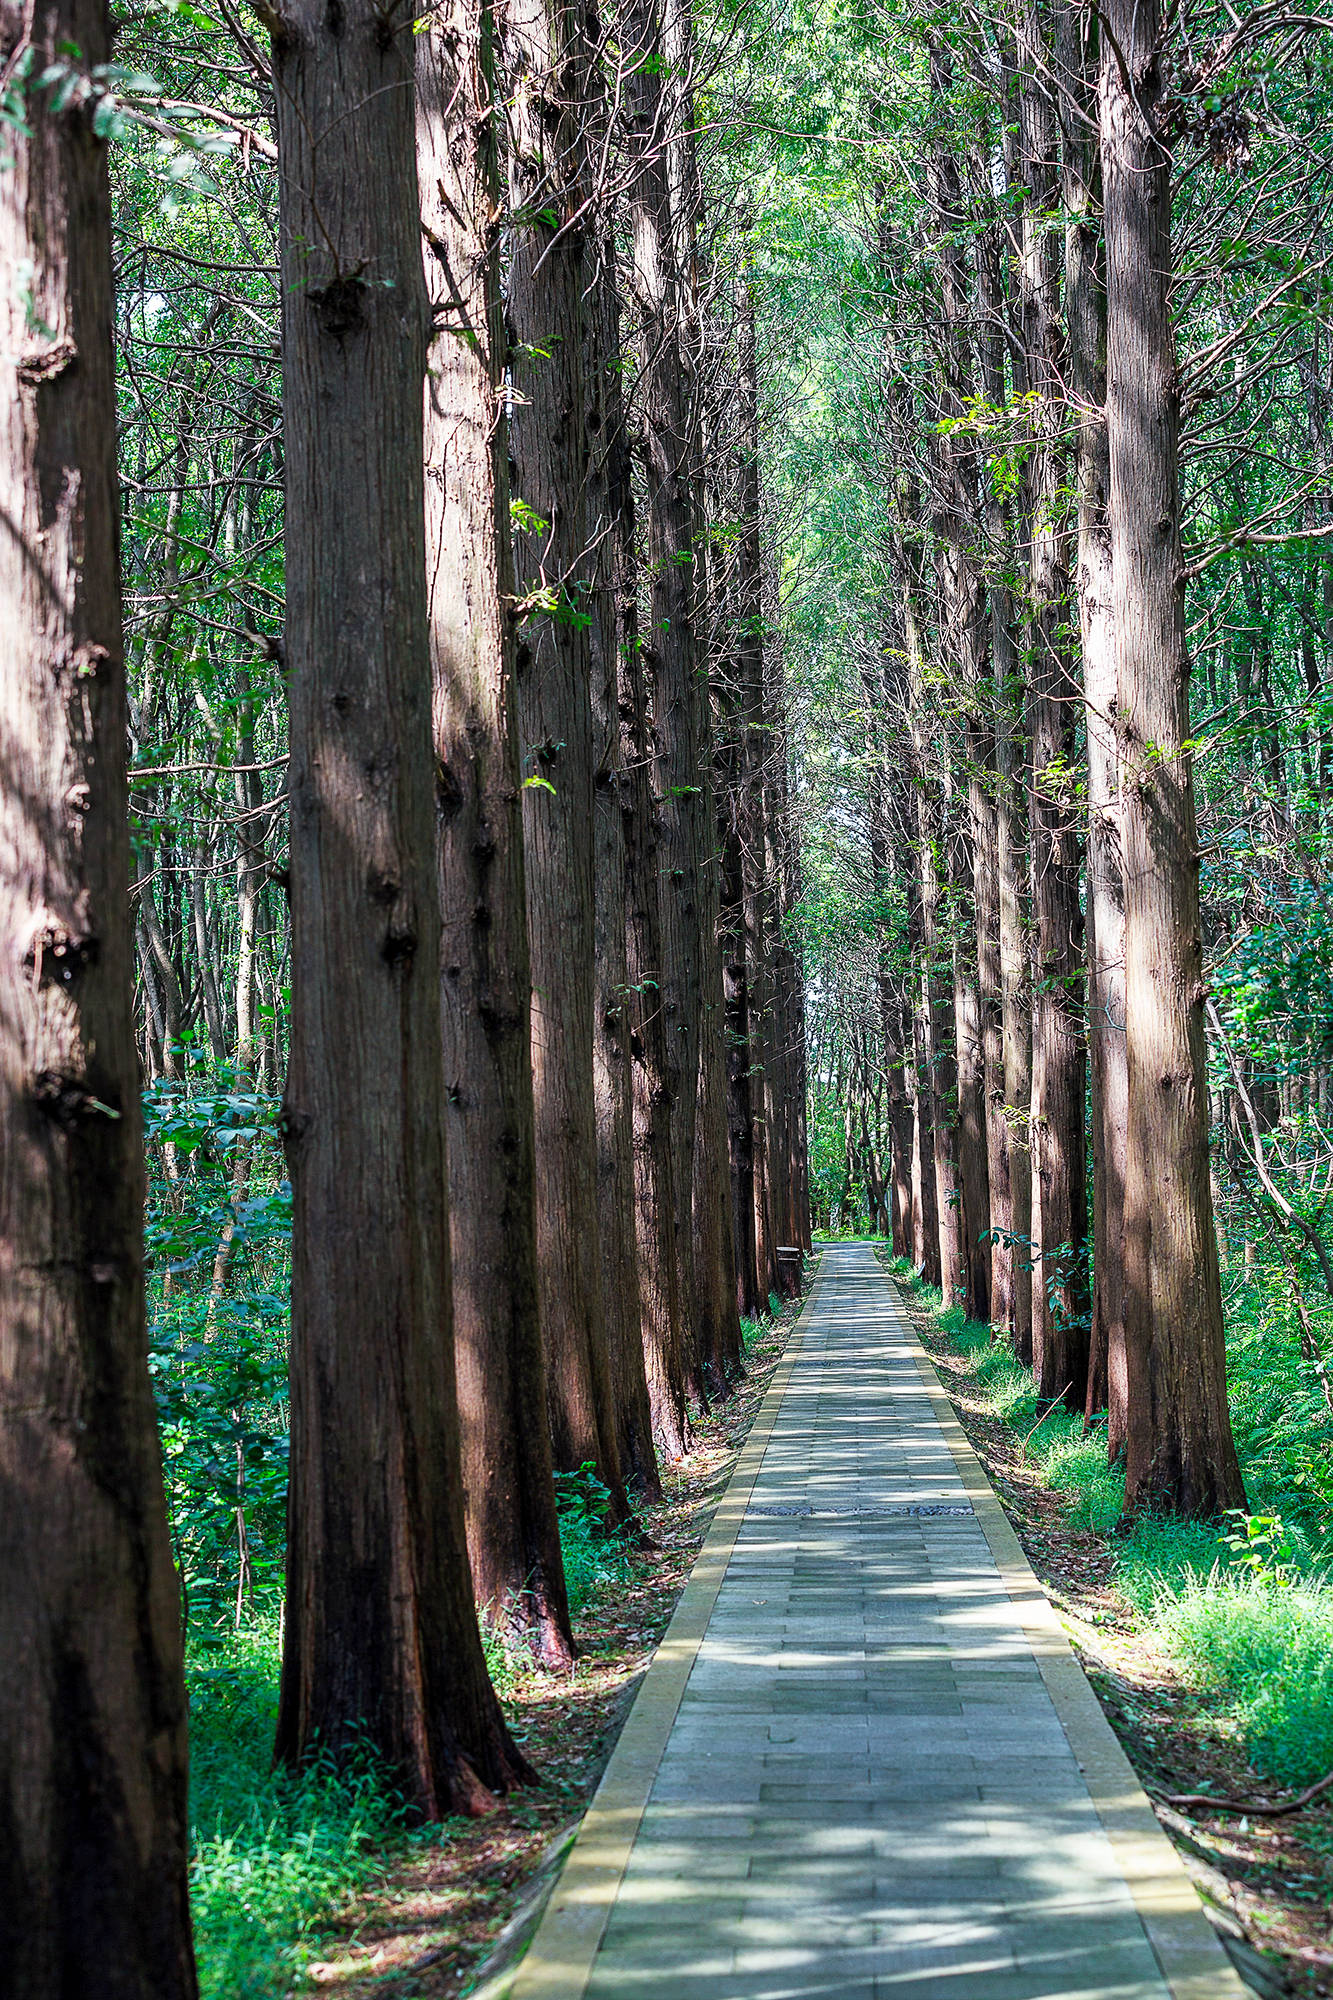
(218,1233)
(592,1546)
(275,1853)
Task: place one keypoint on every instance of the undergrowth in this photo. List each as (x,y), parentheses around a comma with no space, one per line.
(1245,1606)
(276,1853)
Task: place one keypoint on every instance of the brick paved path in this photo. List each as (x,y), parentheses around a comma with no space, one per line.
(867,1793)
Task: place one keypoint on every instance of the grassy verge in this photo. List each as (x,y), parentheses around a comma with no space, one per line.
(273,1852)
(1244,1607)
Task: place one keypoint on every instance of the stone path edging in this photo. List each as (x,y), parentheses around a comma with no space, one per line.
(1193,1961)
(558,1962)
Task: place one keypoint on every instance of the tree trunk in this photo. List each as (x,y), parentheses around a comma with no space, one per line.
(92,1705)
(381,1634)
(1059,1205)
(614,625)
(963,642)
(984,757)
(1011,753)
(669,646)
(655,1210)
(513,1533)
(548,443)
(1179,1450)
(1085,308)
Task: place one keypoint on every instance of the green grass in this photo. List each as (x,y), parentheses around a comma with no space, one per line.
(274,1852)
(277,1853)
(1251,1626)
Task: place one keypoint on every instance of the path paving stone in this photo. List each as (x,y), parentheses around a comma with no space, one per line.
(867,1793)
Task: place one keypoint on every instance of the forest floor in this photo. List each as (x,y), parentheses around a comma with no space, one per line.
(426,1927)
(1268,1882)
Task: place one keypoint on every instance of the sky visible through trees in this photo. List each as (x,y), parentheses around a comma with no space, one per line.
(721,626)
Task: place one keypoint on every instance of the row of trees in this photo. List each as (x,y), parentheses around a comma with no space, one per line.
(523,961)
(1013,1004)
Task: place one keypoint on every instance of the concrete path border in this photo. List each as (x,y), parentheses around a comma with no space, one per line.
(559,1961)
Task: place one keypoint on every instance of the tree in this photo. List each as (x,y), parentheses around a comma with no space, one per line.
(381,1634)
(1179,1450)
(513,1534)
(548,443)
(92,1703)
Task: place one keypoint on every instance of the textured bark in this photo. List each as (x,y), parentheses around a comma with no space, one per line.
(670,649)
(936,1017)
(1059,1207)
(1179,1451)
(547,281)
(1085,310)
(789,1005)
(963,641)
(92,1702)
(614,624)
(513,1534)
(1011,754)
(984,764)
(655,1212)
(925,1212)
(740,805)
(381,1633)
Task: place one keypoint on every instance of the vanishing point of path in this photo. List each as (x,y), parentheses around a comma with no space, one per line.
(865,1765)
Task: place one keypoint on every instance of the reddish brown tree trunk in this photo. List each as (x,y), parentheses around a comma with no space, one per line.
(1085,308)
(93,1823)
(614,625)
(547,280)
(670,650)
(1059,1205)
(1179,1449)
(381,1633)
(963,643)
(513,1534)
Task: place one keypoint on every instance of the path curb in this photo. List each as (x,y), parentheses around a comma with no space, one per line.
(558,1962)
(1192,1959)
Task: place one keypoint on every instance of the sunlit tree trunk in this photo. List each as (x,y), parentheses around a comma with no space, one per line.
(1085,312)
(513,1535)
(1179,1450)
(382,1644)
(1059,1215)
(963,640)
(670,649)
(547,292)
(614,626)
(92,1699)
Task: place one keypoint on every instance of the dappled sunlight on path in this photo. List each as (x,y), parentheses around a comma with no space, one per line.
(867,1793)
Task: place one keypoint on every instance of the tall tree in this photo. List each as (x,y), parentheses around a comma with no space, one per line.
(92,1701)
(1059,1211)
(963,644)
(670,647)
(1179,1449)
(614,628)
(1085,314)
(513,1534)
(381,1632)
(548,60)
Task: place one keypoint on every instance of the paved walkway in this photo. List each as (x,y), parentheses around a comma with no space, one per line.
(867,1791)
